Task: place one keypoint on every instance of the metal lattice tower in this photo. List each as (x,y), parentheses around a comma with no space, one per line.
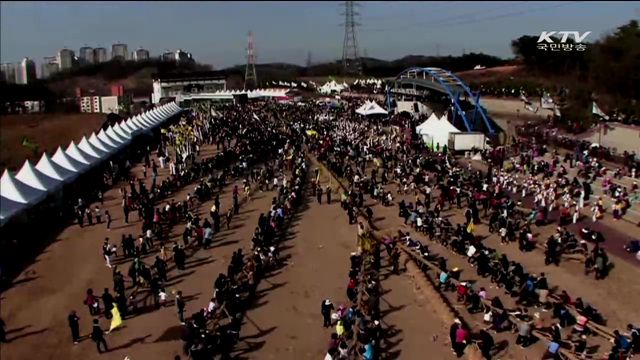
(350,57)
(250,77)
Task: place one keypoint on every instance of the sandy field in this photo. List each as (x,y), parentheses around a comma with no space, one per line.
(47,130)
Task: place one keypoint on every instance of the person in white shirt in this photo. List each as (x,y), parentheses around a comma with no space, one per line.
(149,239)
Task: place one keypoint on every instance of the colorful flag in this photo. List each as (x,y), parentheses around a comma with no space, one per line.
(595,110)
(28,144)
(116,320)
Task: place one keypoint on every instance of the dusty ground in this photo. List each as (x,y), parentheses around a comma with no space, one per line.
(502,110)
(47,130)
(283,323)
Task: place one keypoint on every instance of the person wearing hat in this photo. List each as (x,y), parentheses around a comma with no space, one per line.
(326,308)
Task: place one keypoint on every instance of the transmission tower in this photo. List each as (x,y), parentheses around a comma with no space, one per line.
(350,58)
(250,77)
(309,63)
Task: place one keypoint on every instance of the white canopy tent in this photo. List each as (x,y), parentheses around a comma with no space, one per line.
(107,140)
(436,131)
(332,86)
(121,132)
(53,170)
(74,152)
(148,121)
(145,120)
(105,148)
(155,116)
(32,183)
(371,108)
(422,128)
(137,123)
(85,146)
(13,189)
(9,208)
(61,158)
(115,137)
(37,180)
(125,126)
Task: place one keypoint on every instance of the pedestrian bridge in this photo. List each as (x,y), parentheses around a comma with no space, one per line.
(467,112)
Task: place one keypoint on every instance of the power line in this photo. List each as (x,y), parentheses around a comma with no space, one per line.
(447,22)
(405,11)
(502,16)
(448,19)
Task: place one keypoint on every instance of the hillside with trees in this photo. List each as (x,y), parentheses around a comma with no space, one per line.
(608,71)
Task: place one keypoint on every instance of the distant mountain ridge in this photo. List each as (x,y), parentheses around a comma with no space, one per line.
(371,66)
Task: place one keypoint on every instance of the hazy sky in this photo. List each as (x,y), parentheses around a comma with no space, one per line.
(216,32)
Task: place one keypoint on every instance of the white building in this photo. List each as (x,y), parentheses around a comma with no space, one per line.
(119,51)
(110,104)
(176,85)
(8,72)
(90,104)
(26,72)
(100,55)
(66,59)
(86,55)
(49,67)
(141,54)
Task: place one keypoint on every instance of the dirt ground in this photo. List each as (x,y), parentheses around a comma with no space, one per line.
(48,131)
(283,323)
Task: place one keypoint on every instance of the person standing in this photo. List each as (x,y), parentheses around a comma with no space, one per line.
(75,327)
(180,307)
(328,194)
(97,335)
(126,210)
(98,215)
(326,309)
(80,216)
(87,211)
(452,333)
(107,300)
(485,344)
(161,268)
(149,238)
(106,252)
(108,216)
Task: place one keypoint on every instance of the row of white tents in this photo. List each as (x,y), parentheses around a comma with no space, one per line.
(332,86)
(251,94)
(371,108)
(436,130)
(32,184)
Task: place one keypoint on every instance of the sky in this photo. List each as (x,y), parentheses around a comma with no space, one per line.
(216,32)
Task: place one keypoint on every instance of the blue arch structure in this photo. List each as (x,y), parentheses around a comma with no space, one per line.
(450,84)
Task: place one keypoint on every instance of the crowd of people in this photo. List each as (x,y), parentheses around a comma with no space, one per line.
(348,146)
(267,147)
